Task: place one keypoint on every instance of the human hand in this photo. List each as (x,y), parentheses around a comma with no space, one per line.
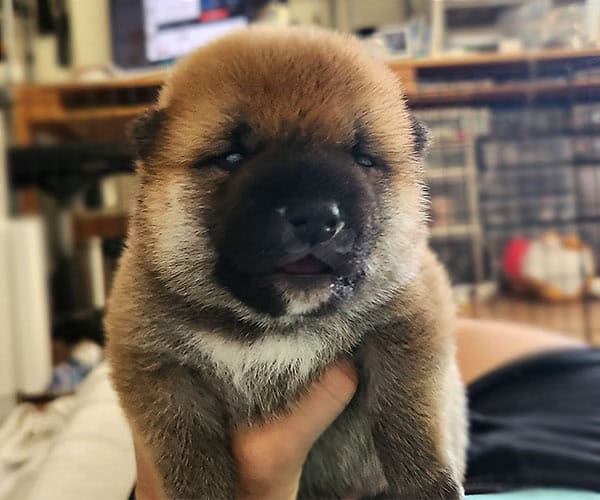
(270,456)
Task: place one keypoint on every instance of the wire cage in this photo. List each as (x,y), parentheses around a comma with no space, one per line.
(515,195)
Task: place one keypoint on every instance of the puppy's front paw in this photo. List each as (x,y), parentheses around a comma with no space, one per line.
(445,488)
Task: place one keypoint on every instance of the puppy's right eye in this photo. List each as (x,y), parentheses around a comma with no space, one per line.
(240,147)
(228,161)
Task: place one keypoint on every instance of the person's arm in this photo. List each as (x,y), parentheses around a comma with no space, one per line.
(483,346)
(270,457)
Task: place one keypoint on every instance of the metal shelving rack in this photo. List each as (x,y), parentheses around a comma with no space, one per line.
(451,171)
(470,228)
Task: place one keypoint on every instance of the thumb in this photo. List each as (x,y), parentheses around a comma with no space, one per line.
(324,402)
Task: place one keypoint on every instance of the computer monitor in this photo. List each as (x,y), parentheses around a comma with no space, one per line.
(152,32)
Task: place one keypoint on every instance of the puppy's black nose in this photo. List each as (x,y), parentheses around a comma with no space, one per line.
(313,222)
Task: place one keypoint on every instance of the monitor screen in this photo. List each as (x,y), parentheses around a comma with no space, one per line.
(150,32)
(176,27)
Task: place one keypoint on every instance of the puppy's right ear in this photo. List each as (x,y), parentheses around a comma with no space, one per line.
(144,132)
(421,136)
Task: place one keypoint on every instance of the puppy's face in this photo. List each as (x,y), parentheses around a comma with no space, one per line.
(281,177)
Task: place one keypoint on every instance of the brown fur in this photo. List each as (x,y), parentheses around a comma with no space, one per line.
(404,434)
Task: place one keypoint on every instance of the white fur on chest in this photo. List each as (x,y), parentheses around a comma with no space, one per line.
(250,365)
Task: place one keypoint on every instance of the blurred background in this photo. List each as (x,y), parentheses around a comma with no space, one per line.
(510,89)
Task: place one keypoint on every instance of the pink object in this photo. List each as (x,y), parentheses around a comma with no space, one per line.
(514,254)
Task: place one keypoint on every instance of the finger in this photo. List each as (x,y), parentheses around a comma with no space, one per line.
(316,410)
(148,484)
(325,400)
(278,448)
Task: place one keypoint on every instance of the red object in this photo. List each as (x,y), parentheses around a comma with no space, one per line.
(512,260)
(214,15)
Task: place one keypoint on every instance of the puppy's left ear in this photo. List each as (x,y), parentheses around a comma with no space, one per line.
(421,136)
(144,132)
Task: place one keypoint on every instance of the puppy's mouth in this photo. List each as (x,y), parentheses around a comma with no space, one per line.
(306,266)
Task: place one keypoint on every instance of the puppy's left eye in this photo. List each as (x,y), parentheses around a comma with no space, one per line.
(233,158)
(230,160)
(364,160)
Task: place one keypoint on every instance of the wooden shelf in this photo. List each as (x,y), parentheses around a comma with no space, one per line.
(93,114)
(42,106)
(446,173)
(490,66)
(454,231)
(505,92)
(102,224)
(72,105)
(471,60)
(118,82)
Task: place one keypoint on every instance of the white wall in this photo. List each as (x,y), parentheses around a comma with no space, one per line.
(90,42)
(353,14)
(347,15)
(317,12)
(90,32)
(7,368)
